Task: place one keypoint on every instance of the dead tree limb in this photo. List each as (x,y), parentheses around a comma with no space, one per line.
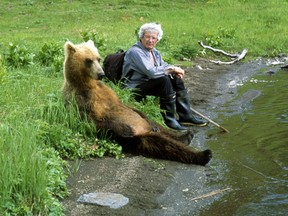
(234,57)
(210,194)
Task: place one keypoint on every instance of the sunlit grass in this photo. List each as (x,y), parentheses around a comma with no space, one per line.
(259,25)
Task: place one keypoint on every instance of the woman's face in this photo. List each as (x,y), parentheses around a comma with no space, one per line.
(149,40)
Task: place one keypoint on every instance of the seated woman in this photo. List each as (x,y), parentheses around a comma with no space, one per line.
(145,71)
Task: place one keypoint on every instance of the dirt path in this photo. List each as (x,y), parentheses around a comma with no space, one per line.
(141,179)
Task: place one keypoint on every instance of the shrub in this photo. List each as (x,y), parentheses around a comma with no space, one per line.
(185,52)
(99,41)
(19,56)
(217,40)
(51,54)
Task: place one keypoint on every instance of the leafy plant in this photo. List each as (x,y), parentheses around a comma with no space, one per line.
(99,41)
(227,33)
(55,172)
(185,52)
(217,40)
(51,54)
(19,56)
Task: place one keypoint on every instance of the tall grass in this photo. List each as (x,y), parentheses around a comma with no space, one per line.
(23,171)
(26,176)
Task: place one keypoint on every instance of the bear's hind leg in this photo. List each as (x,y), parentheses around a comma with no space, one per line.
(158,146)
(204,157)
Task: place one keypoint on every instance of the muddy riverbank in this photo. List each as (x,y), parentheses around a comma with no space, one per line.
(157,187)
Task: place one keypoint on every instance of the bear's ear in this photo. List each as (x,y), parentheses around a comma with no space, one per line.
(90,43)
(69,47)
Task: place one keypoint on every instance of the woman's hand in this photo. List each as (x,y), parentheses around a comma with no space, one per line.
(179,72)
(176,71)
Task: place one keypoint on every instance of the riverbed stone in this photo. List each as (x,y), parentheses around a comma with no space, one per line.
(112,200)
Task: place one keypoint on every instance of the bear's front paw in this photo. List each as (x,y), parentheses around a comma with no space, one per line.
(155,129)
(187,137)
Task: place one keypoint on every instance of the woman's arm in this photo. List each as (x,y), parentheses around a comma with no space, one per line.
(141,62)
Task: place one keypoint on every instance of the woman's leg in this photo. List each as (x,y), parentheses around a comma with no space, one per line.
(183,104)
(160,87)
(163,88)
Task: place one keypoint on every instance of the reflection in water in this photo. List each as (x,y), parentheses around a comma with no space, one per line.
(255,151)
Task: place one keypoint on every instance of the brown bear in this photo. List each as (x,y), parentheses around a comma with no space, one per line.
(128,126)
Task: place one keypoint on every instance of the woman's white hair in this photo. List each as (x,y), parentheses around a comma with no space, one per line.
(150,27)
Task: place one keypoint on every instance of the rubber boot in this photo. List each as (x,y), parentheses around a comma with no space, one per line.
(184,112)
(167,104)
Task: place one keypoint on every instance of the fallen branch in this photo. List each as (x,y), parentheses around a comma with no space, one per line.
(209,120)
(236,57)
(210,194)
(218,50)
(241,56)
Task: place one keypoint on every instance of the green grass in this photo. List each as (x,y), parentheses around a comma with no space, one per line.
(23,169)
(28,182)
(37,131)
(258,25)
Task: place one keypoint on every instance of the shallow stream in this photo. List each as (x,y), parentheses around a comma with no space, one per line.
(249,171)
(253,156)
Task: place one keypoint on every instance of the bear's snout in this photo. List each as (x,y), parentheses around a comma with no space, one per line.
(101,76)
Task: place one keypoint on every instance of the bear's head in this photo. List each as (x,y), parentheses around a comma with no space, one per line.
(82,62)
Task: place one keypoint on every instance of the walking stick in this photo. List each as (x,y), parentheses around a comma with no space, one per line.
(212,122)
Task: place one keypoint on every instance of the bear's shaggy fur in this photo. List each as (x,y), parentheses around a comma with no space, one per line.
(129,127)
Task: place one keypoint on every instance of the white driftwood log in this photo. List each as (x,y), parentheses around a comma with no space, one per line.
(235,57)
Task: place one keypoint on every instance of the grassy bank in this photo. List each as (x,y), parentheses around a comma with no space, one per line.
(257,25)
(37,132)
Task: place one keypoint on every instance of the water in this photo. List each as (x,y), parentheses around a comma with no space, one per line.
(252,160)
(248,174)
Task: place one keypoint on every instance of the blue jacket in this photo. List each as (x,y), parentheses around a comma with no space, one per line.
(137,59)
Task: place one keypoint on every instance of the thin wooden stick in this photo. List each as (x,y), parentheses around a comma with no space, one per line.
(210,194)
(208,119)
